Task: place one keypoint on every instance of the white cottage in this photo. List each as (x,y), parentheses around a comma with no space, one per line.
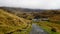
(37,19)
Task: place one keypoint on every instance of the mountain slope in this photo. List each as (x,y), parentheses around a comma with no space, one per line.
(10,23)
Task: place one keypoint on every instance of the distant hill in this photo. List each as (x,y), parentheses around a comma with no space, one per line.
(10,23)
(16,9)
(21,9)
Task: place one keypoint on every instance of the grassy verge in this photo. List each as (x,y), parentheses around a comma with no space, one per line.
(25,31)
(47,26)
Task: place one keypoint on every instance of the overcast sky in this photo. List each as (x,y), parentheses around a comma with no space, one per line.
(33,4)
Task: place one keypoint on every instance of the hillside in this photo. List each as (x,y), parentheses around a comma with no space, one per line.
(11,24)
(52,25)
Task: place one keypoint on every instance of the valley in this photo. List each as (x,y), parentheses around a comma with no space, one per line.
(14,20)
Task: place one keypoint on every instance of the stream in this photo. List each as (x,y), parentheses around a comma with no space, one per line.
(37,30)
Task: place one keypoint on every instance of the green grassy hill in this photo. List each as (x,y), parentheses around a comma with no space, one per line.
(11,24)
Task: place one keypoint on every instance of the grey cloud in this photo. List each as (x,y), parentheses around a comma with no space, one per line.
(33,4)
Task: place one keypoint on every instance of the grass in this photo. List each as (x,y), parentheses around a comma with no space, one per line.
(10,23)
(47,26)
